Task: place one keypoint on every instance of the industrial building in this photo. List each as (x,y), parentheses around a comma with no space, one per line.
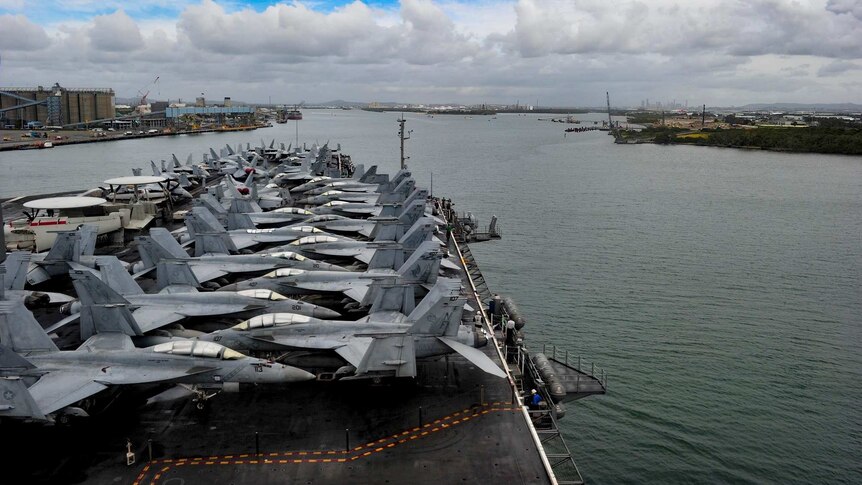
(55,106)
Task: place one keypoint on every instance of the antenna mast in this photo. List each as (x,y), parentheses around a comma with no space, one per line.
(610,123)
(403,136)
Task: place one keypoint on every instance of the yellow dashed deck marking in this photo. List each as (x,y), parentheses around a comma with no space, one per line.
(354,454)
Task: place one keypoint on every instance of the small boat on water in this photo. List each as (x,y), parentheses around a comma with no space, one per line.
(294,114)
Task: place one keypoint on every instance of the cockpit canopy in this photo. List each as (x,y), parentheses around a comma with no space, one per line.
(270,320)
(306,229)
(288,255)
(335,203)
(314,240)
(327,217)
(262,294)
(197,348)
(291,210)
(331,192)
(283,272)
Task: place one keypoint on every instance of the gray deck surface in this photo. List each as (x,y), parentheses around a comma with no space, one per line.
(302,436)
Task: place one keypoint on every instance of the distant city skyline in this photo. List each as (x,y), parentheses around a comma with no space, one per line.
(556,52)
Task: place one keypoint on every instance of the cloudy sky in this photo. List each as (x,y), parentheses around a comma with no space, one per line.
(559,52)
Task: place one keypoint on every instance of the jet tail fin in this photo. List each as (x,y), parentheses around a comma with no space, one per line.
(421,231)
(387,355)
(385,294)
(212,204)
(368,175)
(17,263)
(237,220)
(244,206)
(201,221)
(412,213)
(439,313)
(116,278)
(67,247)
(88,234)
(219,243)
(423,265)
(20,330)
(157,246)
(16,400)
(401,191)
(93,291)
(102,309)
(387,256)
(172,274)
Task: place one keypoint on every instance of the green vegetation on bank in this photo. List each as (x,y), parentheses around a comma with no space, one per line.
(820,139)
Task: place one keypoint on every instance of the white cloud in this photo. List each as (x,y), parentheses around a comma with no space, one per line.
(116,32)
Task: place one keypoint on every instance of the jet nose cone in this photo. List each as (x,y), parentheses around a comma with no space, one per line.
(323,312)
(295,374)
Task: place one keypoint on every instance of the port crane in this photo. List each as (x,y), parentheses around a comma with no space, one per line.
(143,107)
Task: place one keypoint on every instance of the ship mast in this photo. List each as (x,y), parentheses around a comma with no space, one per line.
(403,136)
(610,123)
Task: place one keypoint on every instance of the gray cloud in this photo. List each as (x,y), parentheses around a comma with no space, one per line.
(563,52)
(837,68)
(852,7)
(19,33)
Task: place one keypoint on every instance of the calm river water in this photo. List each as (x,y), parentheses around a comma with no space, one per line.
(721,289)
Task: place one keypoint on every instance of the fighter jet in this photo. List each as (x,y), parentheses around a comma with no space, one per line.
(161,246)
(224,212)
(322,245)
(381,228)
(39,381)
(371,348)
(16,266)
(179,299)
(386,194)
(421,268)
(201,221)
(72,250)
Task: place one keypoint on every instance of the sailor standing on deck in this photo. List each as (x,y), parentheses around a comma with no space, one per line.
(535,400)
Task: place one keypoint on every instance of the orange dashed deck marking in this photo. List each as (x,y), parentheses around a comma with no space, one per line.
(356,453)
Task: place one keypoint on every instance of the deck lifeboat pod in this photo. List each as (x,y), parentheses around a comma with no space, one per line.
(45,217)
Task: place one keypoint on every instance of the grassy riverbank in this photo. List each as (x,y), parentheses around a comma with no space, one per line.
(835,140)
